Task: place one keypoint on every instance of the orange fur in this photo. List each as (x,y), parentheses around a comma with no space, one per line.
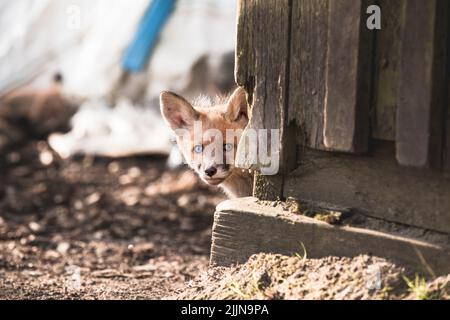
(232,114)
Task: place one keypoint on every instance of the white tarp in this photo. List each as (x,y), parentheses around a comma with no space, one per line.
(124,130)
(85,41)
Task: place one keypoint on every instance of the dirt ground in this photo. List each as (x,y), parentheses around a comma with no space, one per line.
(273,276)
(128,228)
(95,228)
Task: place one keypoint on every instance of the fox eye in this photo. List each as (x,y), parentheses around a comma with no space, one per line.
(228,147)
(198,148)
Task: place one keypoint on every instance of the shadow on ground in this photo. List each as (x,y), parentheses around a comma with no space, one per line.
(97,228)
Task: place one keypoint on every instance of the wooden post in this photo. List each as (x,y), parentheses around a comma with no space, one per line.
(308,61)
(422,83)
(387,70)
(446,164)
(262,67)
(348,78)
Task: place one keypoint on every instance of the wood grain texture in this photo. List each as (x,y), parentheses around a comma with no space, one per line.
(446,164)
(375,185)
(262,67)
(387,70)
(446,158)
(242,228)
(348,77)
(422,83)
(308,62)
(263,59)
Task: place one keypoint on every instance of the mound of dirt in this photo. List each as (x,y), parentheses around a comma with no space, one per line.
(273,276)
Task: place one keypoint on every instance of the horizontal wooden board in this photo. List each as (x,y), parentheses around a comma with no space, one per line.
(376,185)
(242,228)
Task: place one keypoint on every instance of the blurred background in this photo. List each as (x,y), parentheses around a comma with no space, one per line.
(102,54)
(90,176)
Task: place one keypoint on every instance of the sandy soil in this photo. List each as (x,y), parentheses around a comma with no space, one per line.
(128,228)
(89,228)
(273,276)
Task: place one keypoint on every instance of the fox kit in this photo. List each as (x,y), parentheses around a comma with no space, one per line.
(204,137)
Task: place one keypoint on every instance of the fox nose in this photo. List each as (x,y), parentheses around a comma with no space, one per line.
(211,171)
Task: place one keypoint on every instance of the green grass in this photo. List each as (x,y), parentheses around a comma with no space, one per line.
(418,287)
(304,255)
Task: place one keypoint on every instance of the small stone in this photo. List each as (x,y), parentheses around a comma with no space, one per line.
(63,247)
(78,204)
(51,255)
(130,196)
(113,167)
(98,235)
(93,198)
(125,179)
(46,158)
(80,216)
(134,172)
(183,200)
(34,226)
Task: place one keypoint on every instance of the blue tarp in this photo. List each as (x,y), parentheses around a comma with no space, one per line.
(135,58)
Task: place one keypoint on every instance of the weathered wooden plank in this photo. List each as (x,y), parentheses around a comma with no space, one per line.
(262,67)
(263,59)
(446,164)
(376,185)
(387,70)
(422,79)
(245,65)
(241,228)
(348,75)
(308,70)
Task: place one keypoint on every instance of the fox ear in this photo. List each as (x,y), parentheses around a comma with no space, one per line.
(237,109)
(176,111)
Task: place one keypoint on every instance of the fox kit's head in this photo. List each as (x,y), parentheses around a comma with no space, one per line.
(207,135)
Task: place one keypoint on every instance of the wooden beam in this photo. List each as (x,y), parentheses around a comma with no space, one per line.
(308,70)
(262,63)
(446,164)
(262,67)
(387,70)
(243,227)
(348,78)
(375,185)
(422,83)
